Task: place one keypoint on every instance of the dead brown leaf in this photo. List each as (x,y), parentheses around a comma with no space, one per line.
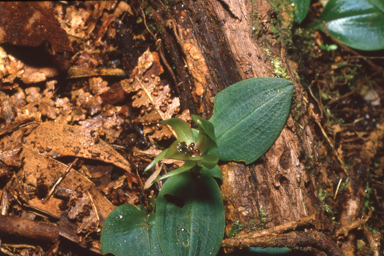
(39,165)
(64,140)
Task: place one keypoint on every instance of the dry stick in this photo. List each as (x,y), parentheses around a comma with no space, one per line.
(94,208)
(291,240)
(346,95)
(337,189)
(160,49)
(316,118)
(59,180)
(271,231)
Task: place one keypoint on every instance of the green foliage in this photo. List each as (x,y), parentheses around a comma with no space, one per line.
(249,115)
(322,194)
(357,24)
(302,8)
(190,215)
(189,148)
(128,228)
(263,214)
(189,220)
(236,228)
(328,48)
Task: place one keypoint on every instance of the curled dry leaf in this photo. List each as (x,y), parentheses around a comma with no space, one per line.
(10,147)
(10,68)
(64,140)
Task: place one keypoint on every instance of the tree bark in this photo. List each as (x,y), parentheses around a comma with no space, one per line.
(215,40)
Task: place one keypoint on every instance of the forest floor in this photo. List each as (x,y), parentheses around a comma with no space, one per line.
(79,121)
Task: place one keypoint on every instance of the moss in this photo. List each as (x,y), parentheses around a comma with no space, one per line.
(279,69)
(282,21)
(236,228)
(263,215)
(256,26)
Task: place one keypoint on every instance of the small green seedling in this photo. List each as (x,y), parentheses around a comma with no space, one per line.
(189,220)
(328,48)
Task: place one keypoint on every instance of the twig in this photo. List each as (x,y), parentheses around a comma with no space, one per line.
(274,230)
(94,208)
(346,95)
(337,189)
(316,118)
(291,240)
(160,49)
(317,101)
(59,180)
(145,23)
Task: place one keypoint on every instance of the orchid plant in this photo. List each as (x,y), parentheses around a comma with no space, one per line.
(189,218)
(194,151)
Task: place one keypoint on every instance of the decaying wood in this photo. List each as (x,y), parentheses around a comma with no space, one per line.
(217,36)
(41,231)
(292,239)
(27,228)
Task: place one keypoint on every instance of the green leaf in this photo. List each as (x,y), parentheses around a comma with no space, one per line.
(206,140)
(185,167)
(190,216)
(215,172)
(357,24)
(378,3)
(209,161)
(302,8)
(249,115)
(129,229)
(173,151)
(156,160)
(182,129)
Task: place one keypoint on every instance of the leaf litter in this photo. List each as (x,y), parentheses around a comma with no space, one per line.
(108,127)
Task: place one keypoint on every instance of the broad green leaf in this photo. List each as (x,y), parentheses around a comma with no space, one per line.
(378,3)
(182,129)
(357,24)
(129,230)
(302,8)
(156,160)
(249,115)
(215,172)
(185,167)
(190,216)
